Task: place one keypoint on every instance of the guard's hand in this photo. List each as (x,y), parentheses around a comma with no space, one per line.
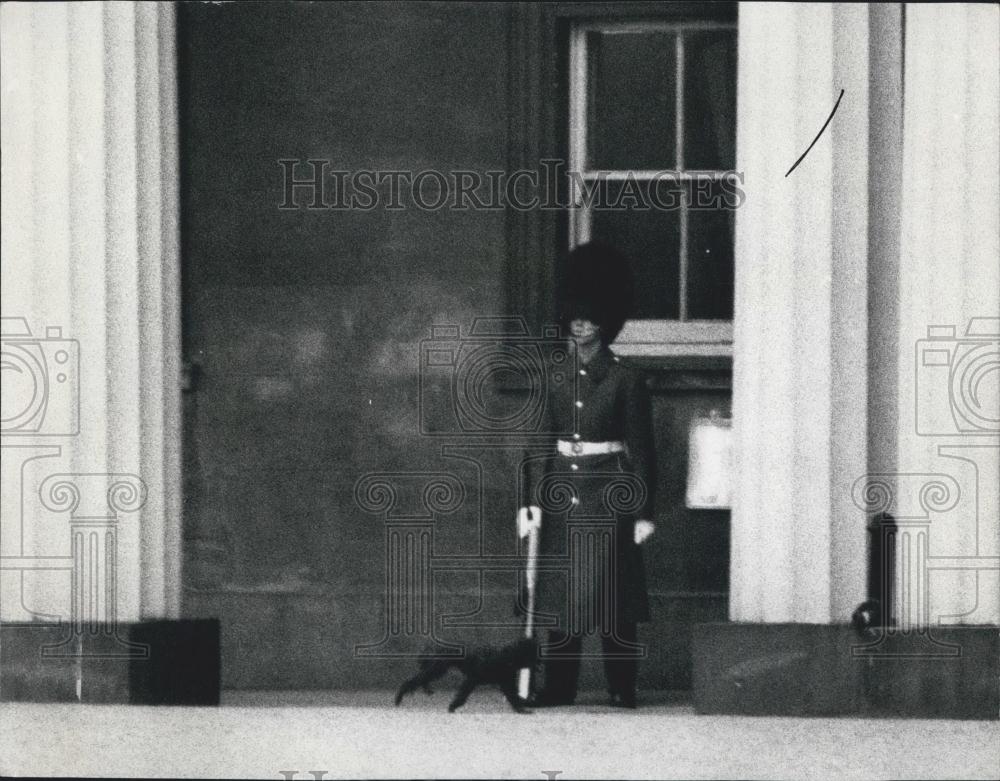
(528,518)
(642,530)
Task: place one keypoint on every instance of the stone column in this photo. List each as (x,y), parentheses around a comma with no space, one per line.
(90,261)
(800,337)
(948,374)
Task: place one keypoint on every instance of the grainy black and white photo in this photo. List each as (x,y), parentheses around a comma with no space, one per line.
(519,390)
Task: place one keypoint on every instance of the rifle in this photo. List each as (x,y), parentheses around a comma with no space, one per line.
(531,575)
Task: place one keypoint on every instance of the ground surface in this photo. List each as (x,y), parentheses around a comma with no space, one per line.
(360,735)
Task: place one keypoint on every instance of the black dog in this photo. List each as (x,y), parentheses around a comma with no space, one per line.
(484,664)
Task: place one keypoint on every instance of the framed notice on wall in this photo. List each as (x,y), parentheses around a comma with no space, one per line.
(710,464)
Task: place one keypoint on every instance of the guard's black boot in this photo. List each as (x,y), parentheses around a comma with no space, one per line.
(544,699)
(562,669)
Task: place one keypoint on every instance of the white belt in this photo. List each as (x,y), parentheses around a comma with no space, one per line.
(588,448)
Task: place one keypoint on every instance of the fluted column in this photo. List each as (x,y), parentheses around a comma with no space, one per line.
(927,383)
(800,339)
(949,294)
(89,247)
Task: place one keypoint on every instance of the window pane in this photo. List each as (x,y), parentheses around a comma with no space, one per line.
(710,252)
(710,100)
(632,101)
(650,238)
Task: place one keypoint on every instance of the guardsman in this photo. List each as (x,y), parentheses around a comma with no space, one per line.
(591,495)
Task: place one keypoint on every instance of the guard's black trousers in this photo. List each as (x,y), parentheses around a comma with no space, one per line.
(562,655)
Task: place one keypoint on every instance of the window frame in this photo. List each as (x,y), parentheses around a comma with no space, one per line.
(647,337)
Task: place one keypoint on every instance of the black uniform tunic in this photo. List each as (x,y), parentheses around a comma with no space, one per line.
(591,572)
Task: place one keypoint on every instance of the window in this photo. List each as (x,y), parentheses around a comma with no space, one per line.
(652,105)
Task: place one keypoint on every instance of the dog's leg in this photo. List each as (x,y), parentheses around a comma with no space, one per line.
(429,672)
(463,694)
(432,670)
(509,690)
(408,686)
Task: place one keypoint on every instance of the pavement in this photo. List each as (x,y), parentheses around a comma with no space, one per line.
(309,735)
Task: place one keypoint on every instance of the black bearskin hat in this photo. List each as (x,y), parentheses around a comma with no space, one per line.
(598,288)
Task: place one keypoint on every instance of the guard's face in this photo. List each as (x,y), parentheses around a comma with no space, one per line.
(584,331)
